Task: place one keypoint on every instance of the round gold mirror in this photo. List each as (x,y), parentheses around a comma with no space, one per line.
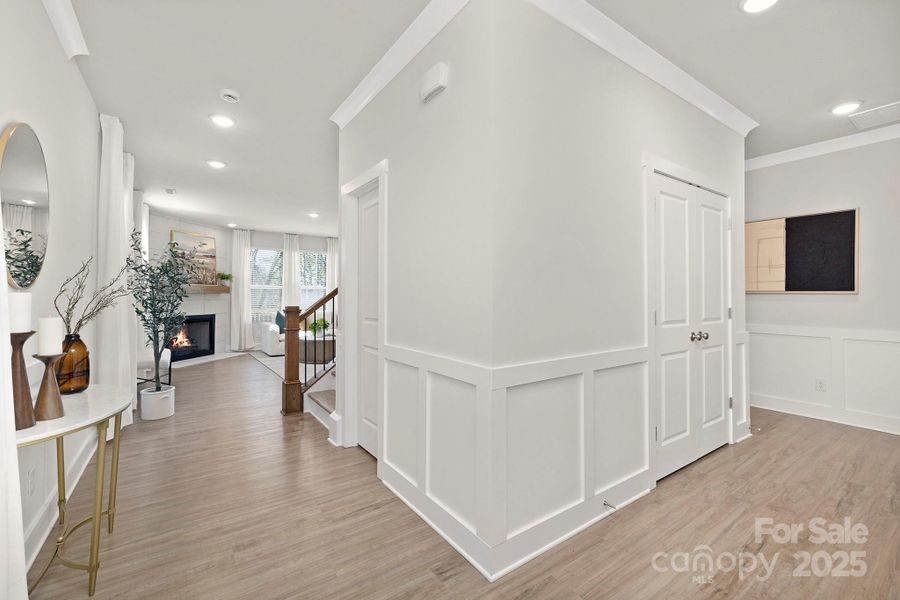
(25,202)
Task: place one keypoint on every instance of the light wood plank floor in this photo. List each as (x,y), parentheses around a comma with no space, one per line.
(230,500)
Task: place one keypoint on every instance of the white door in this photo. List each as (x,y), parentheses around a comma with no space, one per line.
(691,321)
(368,353)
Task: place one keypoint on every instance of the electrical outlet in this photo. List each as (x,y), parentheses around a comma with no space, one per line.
(821,385)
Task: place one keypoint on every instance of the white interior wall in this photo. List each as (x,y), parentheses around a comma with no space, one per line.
(522,182)
(851,341)
(41,88)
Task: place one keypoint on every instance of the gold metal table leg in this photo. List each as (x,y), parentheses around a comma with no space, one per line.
(98,508)
(114,475)
(61,479)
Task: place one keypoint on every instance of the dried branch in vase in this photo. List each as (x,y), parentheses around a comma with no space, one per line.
(73,291)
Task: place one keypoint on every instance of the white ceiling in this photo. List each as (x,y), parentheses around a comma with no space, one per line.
(158,66)
(785,67)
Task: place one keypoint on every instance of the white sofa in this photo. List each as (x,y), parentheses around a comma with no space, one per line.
(271,341)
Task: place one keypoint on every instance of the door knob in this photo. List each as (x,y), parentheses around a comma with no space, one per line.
(695,336)
(704,335)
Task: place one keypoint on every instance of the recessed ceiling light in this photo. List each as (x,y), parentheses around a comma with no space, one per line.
(26,201)
(846,108)
(171,191)
(232,225)
(313,215)
(755,6)
(216,164)
(222,121)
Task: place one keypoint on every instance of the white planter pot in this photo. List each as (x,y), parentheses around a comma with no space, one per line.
(157,405)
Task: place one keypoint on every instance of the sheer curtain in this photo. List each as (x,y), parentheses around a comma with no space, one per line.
(12,548)
(115,349)
(241,324)
(332,264)
(16,216)
(290,288)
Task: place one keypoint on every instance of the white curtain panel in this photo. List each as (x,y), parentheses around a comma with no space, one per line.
(17,216)
(12,548)
(290,288)
(241,325)
(113,357)
(332,264)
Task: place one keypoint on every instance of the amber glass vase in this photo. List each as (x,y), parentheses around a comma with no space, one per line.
(73,372)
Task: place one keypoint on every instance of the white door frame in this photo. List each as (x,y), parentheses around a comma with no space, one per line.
(654,164)
(346,410)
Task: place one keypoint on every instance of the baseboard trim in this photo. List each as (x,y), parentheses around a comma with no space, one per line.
(808,410)
(503,558)
(323,417)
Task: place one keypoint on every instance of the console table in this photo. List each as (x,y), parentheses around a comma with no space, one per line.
(91,408)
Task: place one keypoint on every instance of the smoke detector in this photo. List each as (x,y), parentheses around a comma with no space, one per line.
(229,96)
(875,117)
(170,191)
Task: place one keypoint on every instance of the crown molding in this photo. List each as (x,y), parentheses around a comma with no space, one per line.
(855,140)
(577,15)
(65,23)
(585,20)
(433,18)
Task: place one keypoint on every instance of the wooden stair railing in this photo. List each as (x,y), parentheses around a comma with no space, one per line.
(318,349)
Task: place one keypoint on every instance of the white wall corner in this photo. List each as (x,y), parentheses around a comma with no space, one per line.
(578,15)
(584,19)
(847,142)
(65,22)
(433,18)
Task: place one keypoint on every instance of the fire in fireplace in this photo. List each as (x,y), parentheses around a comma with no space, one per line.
(197,337)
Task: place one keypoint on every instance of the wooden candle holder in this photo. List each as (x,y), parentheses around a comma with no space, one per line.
(24,406)
(49,403)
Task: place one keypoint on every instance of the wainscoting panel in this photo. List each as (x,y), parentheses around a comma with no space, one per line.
(544,479)
(872,377)
(621,413)
(401,417)
(842,375)
(450,446)
(787,366)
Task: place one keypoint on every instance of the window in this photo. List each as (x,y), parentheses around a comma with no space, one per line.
(267,279)
(265,283)
(311,275)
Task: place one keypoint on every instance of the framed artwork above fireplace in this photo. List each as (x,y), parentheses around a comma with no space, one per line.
(204,249)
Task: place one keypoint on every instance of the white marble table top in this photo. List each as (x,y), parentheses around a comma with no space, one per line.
(96,404)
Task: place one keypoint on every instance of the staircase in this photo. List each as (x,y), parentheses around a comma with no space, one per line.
(309,352)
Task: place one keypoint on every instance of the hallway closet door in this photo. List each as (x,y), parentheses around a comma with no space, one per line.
(691,267)
(369,343)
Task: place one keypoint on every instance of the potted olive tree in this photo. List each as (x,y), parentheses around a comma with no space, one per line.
(159,287)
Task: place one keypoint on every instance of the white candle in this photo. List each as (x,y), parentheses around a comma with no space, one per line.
(19,312)
(51,331)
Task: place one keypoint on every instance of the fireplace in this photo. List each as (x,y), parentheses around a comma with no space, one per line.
(197,337)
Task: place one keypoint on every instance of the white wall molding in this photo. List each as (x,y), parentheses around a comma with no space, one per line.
(857,365)
(433,18)
(65,23)
(584,19)
(463,453)
(578,15)
(848,142)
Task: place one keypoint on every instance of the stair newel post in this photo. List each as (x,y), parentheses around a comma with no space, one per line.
(292,388)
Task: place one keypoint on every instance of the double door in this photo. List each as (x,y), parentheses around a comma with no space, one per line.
(691,267)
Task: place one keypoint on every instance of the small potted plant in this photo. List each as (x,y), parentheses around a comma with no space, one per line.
(224,278)
(159,286)
(319,325)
